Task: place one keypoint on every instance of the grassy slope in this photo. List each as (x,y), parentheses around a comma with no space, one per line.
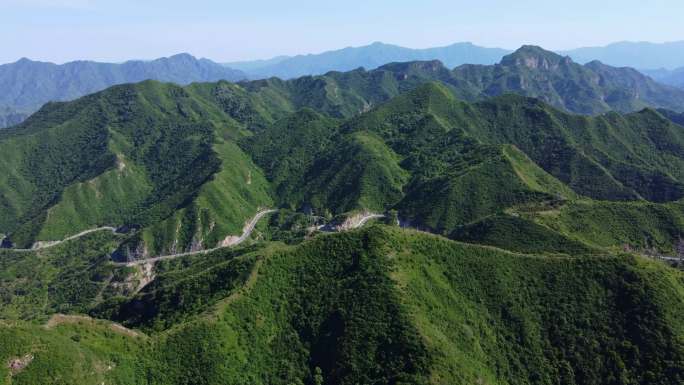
(107,199)
(66,278)
(167,137)
(614,224)
(498,318)
(606,157)
(361,172)
(580,227)
(41,157)
(505,178)
(86,352)
(222,206)
(177,163)
(521,235)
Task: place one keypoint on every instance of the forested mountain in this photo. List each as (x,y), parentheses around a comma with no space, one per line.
(530,71)
(412,147)
(369,57)
(27,84)
(589,89)
(380,305)
(523,257)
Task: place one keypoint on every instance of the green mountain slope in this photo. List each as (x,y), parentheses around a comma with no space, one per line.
(606,157)
(562,212)
(530,71)
(382,305)
(511,232)
(401,155)
(638,225)
(164,158)
(465,195)
(131,155)
(80,351)
(582,226)
(361,173)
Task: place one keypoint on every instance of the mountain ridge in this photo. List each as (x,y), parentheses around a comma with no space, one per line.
(30,84)
(640,55)
(372,56)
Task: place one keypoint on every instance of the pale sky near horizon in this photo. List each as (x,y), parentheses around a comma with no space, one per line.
(113,31)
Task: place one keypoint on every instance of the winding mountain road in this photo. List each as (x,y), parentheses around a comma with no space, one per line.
(246,232)
(47,244)
(367,218)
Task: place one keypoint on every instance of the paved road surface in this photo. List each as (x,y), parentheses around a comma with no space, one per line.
(367,218)
(49,244)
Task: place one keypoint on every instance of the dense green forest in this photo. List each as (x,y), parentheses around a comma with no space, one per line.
(379,305)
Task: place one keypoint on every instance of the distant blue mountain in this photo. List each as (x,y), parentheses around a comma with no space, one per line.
(369,57)
(255,65)
(26,85)
(670,77)
(640,55)
(10,117)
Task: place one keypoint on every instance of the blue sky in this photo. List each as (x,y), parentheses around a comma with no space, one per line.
(115,30)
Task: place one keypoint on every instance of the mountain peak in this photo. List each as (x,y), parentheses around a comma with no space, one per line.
(183,57)
(534,57)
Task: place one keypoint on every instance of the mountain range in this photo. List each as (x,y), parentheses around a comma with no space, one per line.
(588,89)
(127,135)
(507,224)
(32,84)
(639,55)
(27,84)
(530,71)
(368,57)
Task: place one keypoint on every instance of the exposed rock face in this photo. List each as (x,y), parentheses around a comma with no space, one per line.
(356,220)
(146,274)
(16,365)
(43,244)
(229,241)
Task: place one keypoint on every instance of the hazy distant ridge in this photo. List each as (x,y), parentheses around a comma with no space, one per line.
(28,84)
(369,57)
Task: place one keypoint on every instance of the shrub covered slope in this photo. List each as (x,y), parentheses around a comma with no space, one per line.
(380,306)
